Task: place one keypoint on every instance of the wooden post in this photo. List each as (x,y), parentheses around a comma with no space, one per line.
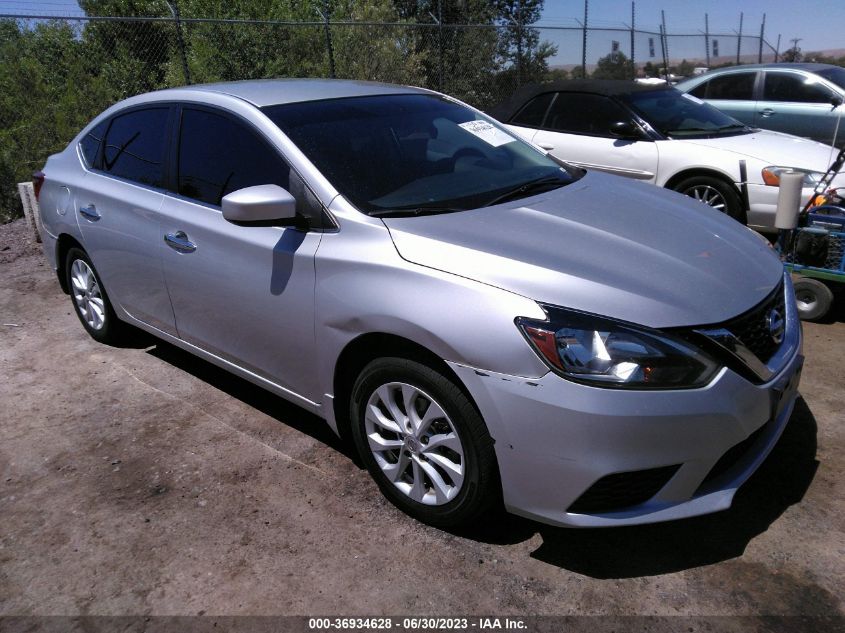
(30,209)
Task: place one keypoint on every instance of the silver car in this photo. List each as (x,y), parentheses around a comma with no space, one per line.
(487,324)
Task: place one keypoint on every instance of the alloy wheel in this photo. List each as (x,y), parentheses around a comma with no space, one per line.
(708,195)
(87,295)
(414,443)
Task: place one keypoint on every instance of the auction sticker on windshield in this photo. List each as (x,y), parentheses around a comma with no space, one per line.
(487,132)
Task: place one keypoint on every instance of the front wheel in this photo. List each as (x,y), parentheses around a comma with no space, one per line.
(424,443)
(813,298)
(714,193)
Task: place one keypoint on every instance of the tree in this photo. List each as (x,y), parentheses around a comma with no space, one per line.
(792,54)
(614,66)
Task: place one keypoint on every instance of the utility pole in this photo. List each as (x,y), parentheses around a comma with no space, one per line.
(762,35)
(707,38)
(174,11)
(739,39)
(633,58)
(519,43)
(584,40)
(664,42)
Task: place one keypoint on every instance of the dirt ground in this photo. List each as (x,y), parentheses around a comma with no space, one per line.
(140,480)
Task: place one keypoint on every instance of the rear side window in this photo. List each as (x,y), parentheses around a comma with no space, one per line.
(734,87)
(135,145)
(534,111)
(795,88)
(218,155)
(583,113)
(90,145)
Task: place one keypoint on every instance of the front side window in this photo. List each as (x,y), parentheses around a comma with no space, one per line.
(795,88)
(135,145)
(408,152)
(218,155)
(583,113)
(731,87)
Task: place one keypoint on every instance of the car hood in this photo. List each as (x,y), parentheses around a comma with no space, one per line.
(603,245)
(773,148)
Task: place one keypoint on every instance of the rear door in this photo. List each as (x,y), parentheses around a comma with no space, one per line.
(242,292)
(118,206)
(577,129)
(734,93)
(798,103)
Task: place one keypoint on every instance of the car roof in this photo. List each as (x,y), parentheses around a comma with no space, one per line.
(266,92)
(607,87)
(808,66)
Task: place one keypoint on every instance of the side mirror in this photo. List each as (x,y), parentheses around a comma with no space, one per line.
(626,130)
(261,203)
(836,102)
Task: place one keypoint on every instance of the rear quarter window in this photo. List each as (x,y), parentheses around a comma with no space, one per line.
(89,146)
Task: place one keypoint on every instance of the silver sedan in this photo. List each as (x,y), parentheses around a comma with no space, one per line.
(488,324)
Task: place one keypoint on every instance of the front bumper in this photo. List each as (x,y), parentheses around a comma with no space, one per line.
(555,439)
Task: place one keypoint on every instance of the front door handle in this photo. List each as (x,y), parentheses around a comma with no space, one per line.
(89,213)
(178,241)
(766,112)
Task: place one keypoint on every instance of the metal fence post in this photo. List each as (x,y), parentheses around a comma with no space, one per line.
(707,38)
(762,35)
(633,30)
(180,41)
(326,15)
(739,38)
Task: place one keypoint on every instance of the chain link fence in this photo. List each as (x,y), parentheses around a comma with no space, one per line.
(57,73)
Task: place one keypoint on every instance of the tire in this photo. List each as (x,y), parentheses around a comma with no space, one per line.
(89,299)
(714,192)
(813,298)
(449,482)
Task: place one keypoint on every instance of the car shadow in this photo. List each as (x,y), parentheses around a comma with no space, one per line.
(256,397)
(624,552)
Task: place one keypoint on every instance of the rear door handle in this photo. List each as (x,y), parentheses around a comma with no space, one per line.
(178,241)
(546,146)
(766,112)
(89,213)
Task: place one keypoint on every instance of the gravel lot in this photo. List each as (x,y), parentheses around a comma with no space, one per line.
(140,480)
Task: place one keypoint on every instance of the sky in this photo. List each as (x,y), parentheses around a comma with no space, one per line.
(818,24)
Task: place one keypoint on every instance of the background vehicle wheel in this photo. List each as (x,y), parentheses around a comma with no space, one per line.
(424,443)
(715,193)
(90,301)
(813,298)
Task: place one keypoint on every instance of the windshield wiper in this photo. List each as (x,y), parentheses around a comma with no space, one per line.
(528,188)
(709,130)
(406,213)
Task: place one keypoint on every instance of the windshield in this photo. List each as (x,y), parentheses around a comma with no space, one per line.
(676,114)
(414,151)
(833,75)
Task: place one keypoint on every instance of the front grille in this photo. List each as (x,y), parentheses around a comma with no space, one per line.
(622,490)
(752,328)
(732,456)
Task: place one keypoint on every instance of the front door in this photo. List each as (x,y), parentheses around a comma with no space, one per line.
(244,293)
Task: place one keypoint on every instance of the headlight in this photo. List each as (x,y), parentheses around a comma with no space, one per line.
(771,176)
(607,353)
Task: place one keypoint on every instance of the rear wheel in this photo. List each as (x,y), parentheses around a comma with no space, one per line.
(813,298)
(423,442)
(90,301)
(714,193)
